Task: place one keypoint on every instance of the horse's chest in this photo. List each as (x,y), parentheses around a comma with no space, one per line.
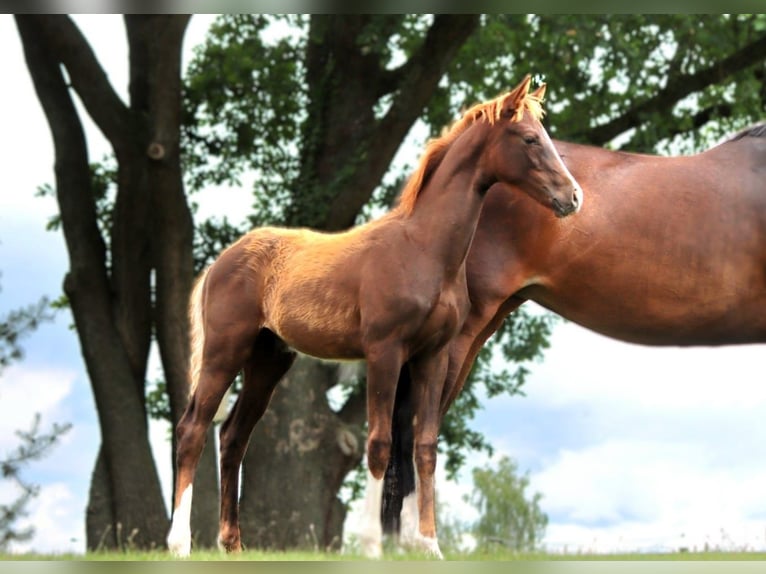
(444,319)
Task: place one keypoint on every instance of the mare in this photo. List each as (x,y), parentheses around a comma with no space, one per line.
(390,291)
(666,251)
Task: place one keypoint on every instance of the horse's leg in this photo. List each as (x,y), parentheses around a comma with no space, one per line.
(482,322)
(269,361)
(428,374)
(190,432)
(383,364)
(227,322)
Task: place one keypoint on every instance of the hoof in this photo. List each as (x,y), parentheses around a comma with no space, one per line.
(179,543)
(431,547)
(372,546)
(230,545)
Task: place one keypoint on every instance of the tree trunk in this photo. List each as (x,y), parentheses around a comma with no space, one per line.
(99,518)
(298,458)
(109,282)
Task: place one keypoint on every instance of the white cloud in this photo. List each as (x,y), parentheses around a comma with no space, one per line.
(58,519)
(26,390)
(584,367)
(632,495)
(639,448)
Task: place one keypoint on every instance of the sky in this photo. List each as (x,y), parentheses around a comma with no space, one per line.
(632,448)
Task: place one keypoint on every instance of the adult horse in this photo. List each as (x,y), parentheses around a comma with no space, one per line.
(666,251)
(391,291)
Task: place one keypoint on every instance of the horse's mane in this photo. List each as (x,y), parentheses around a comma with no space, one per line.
(755,131)
(436,148)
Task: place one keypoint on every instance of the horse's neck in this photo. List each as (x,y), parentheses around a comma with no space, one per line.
(445,216)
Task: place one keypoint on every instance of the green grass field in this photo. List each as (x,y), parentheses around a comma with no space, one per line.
(309,556)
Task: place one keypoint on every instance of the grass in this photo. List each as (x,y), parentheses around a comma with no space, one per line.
(310,556)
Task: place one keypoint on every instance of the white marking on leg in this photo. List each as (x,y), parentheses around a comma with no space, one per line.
(179,537)
(371,535)
(429,545)
(410,520)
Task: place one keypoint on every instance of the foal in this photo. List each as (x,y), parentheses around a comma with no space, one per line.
(391,291)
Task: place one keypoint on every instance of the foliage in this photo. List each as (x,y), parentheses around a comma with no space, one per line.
(34,445)
(451,529)
(509,516)
(243,103)
(612,66)
(18,323)
(103,179)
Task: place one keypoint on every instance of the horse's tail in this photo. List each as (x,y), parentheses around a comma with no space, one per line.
(196,331)
(399,480)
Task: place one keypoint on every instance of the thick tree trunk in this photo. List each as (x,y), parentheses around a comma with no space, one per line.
(111,296)
(298,458)
(155,50)
(99,518)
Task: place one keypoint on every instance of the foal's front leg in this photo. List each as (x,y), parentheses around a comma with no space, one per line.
(428,375)
(383,364)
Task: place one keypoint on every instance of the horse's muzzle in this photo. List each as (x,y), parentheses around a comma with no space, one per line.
(564,208)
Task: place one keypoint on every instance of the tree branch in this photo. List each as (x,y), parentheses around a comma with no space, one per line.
(414,86)
(87,252)
(678,88)
(86,75)
(445,34)
(699,119)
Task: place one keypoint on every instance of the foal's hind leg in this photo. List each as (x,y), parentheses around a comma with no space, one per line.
(191,431)
(224,355)
(269,361)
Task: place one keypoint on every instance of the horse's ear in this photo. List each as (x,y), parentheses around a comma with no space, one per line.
(520,92)
(539,93)
(515,99)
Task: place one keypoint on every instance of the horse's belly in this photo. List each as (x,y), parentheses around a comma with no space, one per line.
(322,331)
(320,340)
(682,325)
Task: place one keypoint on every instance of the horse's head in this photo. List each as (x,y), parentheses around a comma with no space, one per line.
(520,152)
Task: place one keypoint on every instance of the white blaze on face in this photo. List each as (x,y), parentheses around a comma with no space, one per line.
(179,537)
(371,536)
(578,190)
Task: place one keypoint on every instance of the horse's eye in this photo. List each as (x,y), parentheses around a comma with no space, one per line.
(531,140)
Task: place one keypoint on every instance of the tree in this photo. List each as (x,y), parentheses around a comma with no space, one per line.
(34,445)
(117,309)
(15,325)
(509,516)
